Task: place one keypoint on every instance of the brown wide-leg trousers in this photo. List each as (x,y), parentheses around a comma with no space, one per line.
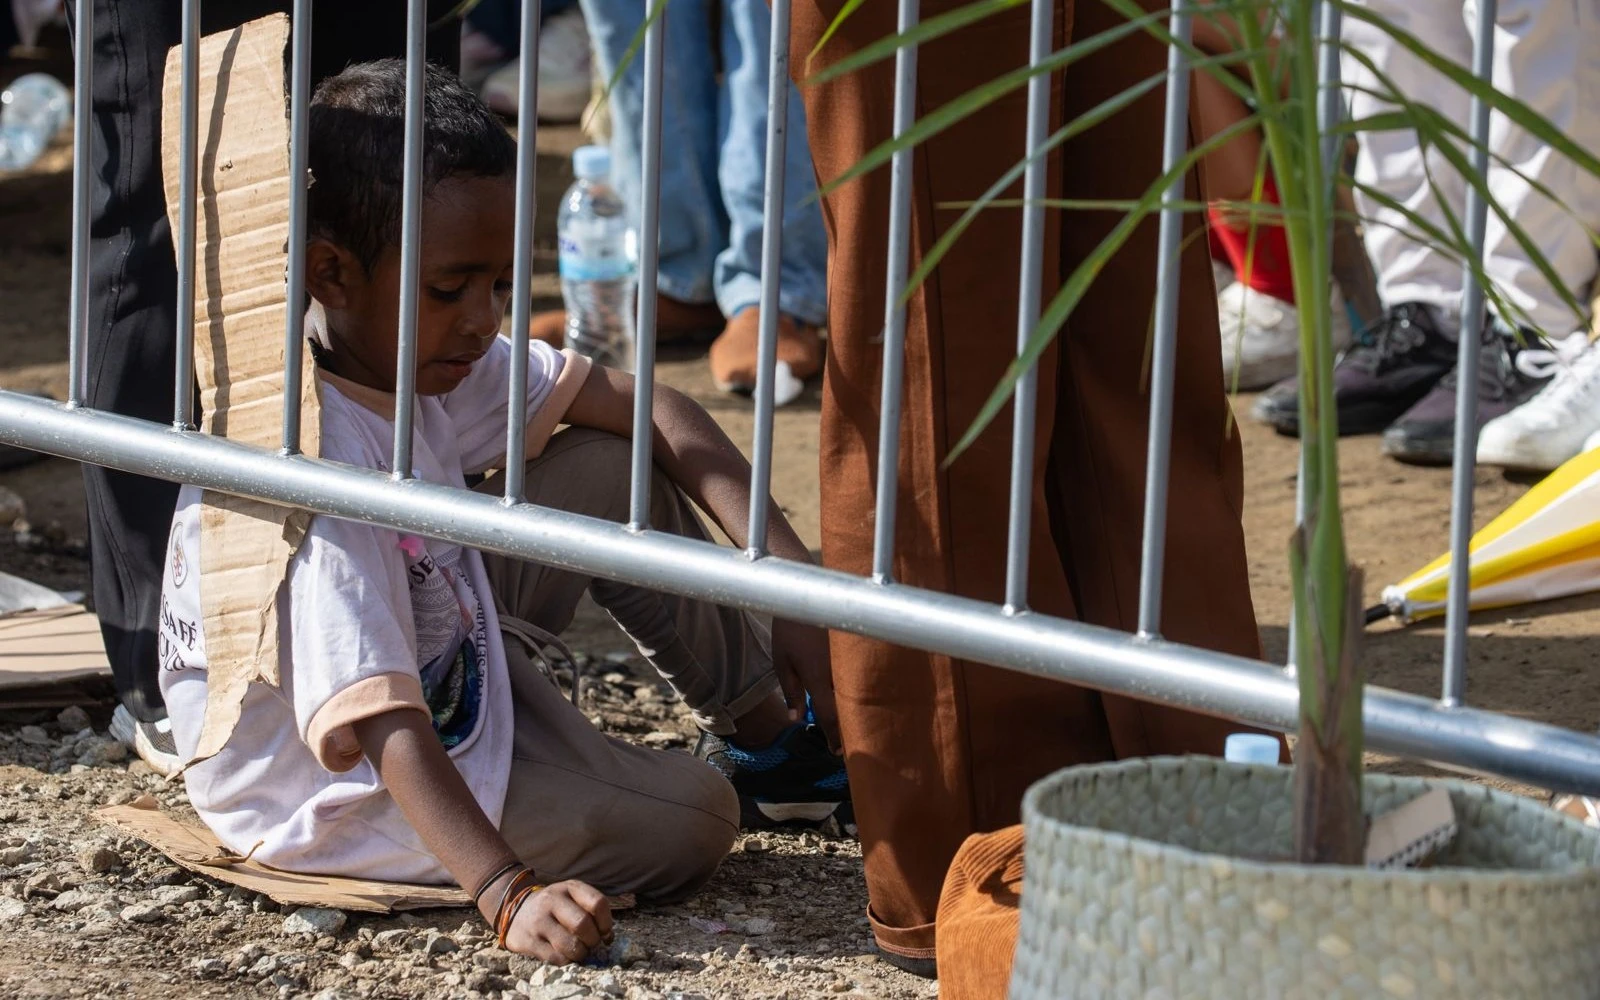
(940,748)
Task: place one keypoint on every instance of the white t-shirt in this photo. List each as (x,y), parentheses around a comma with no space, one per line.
(370,621)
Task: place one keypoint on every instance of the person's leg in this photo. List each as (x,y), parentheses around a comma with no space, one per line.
(584,805)
(133,289)
(718,659)
(741,173)
(1394,163)
(132,311)
(802,288)
(1546,55)
(692,220)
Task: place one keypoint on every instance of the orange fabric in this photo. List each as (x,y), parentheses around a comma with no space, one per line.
(940,748)
(978,913)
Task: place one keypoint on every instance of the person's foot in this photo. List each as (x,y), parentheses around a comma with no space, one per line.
(922,968)
(549,326)
(1261,336)
(152,741)
(735,355)
(564,77)
(797,781)
(1553,426)
(1511,369)
(679,322)
(1397,362)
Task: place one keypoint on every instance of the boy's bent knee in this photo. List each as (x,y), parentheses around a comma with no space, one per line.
(701,835)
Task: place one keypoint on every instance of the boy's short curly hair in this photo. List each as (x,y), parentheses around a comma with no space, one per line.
(357,150)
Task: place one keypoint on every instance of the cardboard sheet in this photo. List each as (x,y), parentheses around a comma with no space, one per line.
(195,848)
(50,657)
(240,311)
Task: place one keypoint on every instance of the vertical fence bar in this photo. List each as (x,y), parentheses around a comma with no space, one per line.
(1164,358)
(188,167)
(1330,109)
(1466,442)
(294,327)
(1024,418)
(894,333)
(771,275)
(82,181)
(522,255)
(649,263)
(405,376)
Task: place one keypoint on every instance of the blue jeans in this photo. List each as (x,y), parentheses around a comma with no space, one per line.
(713,156)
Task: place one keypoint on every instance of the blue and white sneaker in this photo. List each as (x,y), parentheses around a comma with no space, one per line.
(797,781)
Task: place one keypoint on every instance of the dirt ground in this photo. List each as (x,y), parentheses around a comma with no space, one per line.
(86,912)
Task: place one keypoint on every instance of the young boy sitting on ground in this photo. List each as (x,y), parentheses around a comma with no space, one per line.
(413,739)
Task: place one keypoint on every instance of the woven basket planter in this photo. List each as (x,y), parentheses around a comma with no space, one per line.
(1138,884)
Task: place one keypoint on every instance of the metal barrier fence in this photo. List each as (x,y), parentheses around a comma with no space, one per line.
(1142,666)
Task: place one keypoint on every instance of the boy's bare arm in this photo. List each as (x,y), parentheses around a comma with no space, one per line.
(696,455)
(558,925)
(691,449)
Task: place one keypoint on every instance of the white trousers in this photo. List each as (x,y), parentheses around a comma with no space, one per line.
(1547,55)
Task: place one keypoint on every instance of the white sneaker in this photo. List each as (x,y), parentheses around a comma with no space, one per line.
(152,741)
(1559,422)
(1261,336)
(564,78)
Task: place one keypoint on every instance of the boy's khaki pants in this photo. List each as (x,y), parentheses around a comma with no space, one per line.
(584,805)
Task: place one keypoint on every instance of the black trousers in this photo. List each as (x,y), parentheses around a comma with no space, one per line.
(133,280)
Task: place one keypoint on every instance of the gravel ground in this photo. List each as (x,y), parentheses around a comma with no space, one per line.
(89,912)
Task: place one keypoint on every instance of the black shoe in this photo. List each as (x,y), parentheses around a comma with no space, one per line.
(922,968)
(1399,359)
(1511,368)
(797,781)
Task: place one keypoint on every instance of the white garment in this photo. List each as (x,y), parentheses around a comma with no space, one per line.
(370,621)
(1547,55)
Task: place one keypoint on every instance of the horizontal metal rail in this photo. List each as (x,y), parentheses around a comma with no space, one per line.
(1114,662)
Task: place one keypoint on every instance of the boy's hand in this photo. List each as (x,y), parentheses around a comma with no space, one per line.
(561,924)
(800,657)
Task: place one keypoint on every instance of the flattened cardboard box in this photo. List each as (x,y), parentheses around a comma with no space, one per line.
(240,310)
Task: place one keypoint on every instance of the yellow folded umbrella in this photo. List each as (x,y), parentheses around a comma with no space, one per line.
(1546,545)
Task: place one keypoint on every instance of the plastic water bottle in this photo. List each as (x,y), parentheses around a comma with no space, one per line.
(32,110)
(597,262)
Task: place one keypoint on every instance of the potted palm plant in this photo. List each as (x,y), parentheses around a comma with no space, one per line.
(1197,877)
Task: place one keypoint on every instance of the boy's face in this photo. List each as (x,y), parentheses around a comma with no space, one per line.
(467,226)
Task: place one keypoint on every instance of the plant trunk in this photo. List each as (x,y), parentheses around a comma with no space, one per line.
(1329,825)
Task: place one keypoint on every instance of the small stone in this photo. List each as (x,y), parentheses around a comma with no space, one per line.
(839,986)
(11,909)
(610,986)
(74,900)
(315,920)
(394,939)
(493,960)
(12,508)
(142,913)
(34,736)
(439,944)
(479,980)
(626,951)
(661,739)
(72,718)
(100,859)
(210,968)
(42,885)
(618,657)
(452,979)
(331,994)
(755,845)
(757,926)
(559,991)
(762,888)
(176,895)
(15,855)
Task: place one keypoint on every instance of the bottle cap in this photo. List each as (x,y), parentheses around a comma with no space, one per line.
(1251,748)
(591,163)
